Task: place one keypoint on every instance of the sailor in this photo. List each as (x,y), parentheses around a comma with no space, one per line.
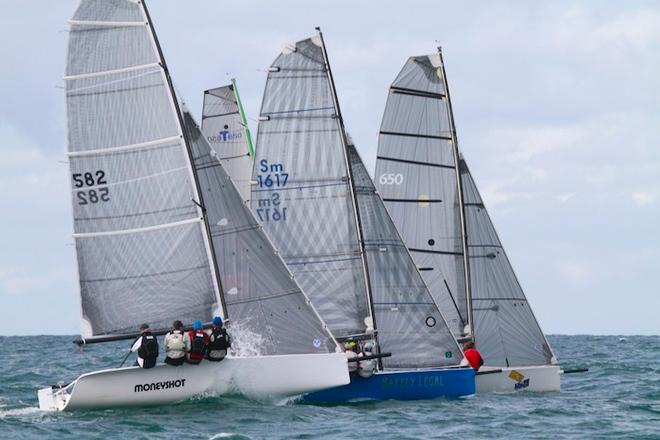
(472,355)
(175,345)
(196,343)
(349,351)
(218,341)
(366,368)
(146,346)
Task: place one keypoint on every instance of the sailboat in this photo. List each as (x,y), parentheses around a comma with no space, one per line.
(225,126)
(433,199)
(316,201)
(161,233)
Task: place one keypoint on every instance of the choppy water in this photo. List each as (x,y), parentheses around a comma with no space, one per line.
(618,398)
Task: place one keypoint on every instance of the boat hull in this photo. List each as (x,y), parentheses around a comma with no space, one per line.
(260,377)
(402,385)
(541,378)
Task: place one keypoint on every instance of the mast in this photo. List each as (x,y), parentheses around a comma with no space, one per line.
(358,223)
(244,123)
(200,203)
(459,186)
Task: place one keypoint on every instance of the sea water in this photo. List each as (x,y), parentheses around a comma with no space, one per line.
(618,398)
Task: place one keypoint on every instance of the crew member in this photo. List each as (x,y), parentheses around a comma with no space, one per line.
(175,345)
(196,343)
(472,355)
(146,346)
(218,341)
(349,351)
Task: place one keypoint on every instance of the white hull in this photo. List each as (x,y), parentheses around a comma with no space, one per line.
(256,377)
(515,379)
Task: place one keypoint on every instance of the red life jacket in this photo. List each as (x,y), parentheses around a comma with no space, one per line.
(199,342)
(474,358)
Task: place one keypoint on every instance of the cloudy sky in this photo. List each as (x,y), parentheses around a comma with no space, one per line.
(557,109)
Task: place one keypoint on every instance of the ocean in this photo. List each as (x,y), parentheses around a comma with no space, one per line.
(618,398)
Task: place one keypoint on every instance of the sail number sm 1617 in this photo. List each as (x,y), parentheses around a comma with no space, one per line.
(390,179)
(271,176)
(91,181)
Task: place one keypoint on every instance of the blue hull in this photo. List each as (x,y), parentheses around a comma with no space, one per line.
(402,385)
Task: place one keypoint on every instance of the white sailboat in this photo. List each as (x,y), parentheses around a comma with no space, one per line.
(435,204)
(161,233)
(318,204)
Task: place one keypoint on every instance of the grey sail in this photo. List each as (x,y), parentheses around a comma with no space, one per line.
(505,329)
(417,179)
(302,193)
(260,294)
(410,326)
(140,240)
(228,136)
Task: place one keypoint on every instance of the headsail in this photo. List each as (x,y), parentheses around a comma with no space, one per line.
(506,330)
(226,130)
(416,177)
(261,296)
(140,240)
(410,325)
(302,193)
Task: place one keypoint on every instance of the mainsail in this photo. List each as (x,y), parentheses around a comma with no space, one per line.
(417,179)
(140,240)
(505,328)
(302,194)
(225,128)
(410,325)
(261,296)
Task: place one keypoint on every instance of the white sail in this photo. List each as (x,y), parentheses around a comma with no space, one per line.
(225,129)
(302,194)
(140,239)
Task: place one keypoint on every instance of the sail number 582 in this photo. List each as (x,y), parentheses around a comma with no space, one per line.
(390,179)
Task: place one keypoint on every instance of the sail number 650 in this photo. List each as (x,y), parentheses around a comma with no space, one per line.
(390,179)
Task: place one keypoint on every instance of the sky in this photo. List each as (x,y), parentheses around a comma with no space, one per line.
(557,107)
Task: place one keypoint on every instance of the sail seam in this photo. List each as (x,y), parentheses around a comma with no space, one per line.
(415,135)
(107,23)
(123,147)
(414,162)
(110,72)
(137,230)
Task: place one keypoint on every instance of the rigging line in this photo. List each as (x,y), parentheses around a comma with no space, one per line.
(458,312)
(330,260)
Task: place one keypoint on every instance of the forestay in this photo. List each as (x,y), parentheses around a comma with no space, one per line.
(302,192)
(506,330)
(260,294)
(417,179)
(410,325)
(140,240)
(227,133)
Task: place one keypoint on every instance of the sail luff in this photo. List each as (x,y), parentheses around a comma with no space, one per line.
(344,140)
(244,122)
(466,260)
(208,243)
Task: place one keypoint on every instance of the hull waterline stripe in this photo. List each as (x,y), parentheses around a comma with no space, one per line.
(110,72)
(124,147)
(137,230)
(415,135)
(414,162)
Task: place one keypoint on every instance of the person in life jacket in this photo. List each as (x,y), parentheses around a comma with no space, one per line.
(197,342)
(219,341)
(146,346)
(366,368)
(175,345)
(349,351)
(472,355)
